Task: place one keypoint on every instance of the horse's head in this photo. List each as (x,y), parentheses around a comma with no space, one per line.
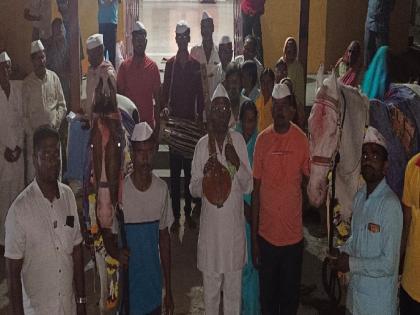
(105,101)
(323,135)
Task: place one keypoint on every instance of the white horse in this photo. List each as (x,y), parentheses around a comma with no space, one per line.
(337,123)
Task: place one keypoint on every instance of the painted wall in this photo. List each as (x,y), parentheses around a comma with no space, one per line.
(333,24)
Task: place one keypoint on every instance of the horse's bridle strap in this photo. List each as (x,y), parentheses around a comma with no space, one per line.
(321,160)
(113,116)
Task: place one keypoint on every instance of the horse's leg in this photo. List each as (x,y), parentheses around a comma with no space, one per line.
(113,161)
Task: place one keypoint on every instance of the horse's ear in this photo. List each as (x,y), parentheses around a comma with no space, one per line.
(320,76)
(334,81)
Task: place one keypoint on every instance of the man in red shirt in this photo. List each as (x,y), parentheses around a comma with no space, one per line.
(281,159)
(138,78)
(251,23)
(182,97)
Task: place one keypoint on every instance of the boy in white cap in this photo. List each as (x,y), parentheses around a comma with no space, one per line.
(148,217)
(43,99)
(98,68)
(221,242)
(139,79)
(207,53)
(371,254)
(11,143)
(182,97)
(281,160)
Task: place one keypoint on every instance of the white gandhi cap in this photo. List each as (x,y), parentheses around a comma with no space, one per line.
(206,16)
(141,132)
(374,136)
(36,46)
(4,57)
(139,27)
(220,92)
(182,27)
(225,40)
(280,90)
(94,41)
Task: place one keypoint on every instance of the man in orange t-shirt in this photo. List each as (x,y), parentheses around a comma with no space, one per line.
(281,159)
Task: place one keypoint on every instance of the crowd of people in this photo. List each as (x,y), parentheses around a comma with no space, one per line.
(250,244)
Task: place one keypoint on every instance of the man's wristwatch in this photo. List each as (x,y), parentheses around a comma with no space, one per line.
(81,300)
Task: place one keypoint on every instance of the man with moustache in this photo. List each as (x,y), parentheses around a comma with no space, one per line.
(281,160)
(147,217)
(225,57)
(371,254)
(44,251)
(42,98)
(221,252)
(139,79)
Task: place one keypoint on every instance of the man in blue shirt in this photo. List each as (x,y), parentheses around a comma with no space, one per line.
(377,26)
(108,21)
(371,254)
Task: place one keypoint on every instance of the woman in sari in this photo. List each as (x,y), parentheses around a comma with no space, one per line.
(247,126)
(350,66)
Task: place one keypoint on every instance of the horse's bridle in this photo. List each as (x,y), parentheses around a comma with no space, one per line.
(333,104)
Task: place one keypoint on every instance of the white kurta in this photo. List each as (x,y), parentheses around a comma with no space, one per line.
(11,129)
(43,104)
(221,241)
(197,52)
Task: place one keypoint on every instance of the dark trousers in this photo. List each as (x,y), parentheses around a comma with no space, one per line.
(280,273)
(408,306)
(176,164)
(109,30)
(251,25)
(373,40)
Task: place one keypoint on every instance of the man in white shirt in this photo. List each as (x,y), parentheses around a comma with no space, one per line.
(207,53)
(225,57)
(221,241)
(11,143)
(43,99)
(44,254)
(250,53)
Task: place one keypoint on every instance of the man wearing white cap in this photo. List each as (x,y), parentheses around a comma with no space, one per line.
(148,217)
(39,13)
(207,53)
(11,141)
(139,79)
(43,99)
(281,159)
(182,97)
(371,254)
(98,68)
(225,57)
(221,241)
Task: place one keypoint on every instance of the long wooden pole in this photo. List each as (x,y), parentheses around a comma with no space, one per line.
(75,76)
(303,38)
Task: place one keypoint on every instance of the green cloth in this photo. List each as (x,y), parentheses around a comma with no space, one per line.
(376,81)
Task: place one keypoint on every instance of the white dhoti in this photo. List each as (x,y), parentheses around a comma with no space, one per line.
(231,285)
(104,281)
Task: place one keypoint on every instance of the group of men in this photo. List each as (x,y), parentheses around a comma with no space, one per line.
(42,232)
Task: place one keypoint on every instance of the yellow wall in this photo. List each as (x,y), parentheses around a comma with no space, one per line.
(333,24)
(16,32)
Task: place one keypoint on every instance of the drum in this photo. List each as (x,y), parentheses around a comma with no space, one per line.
(181,135)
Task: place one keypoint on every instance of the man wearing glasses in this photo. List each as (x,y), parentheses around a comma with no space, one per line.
(371,254)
